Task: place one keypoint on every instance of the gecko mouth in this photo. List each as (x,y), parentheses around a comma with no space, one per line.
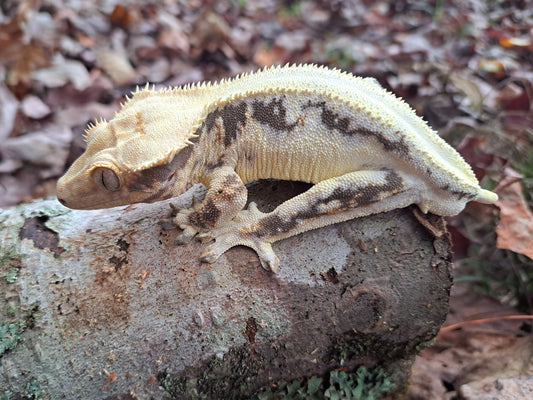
(91,206)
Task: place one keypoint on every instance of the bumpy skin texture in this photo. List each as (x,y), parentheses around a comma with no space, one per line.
(365,151)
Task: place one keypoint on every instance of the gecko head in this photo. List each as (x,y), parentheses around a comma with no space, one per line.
(131,159)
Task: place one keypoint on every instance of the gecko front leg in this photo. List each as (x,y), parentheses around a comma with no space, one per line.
(226,196)
(330,201)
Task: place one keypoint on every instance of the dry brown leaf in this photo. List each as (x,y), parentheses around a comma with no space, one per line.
(10,36)
(17,50)
(174,39)
(475,357)
(122,17)
(208,28)
(515,229)
(29,58)
(266,55)
(21,58)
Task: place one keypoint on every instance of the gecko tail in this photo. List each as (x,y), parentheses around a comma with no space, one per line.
(486,197)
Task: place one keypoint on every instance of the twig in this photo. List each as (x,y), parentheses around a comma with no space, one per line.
(482,321)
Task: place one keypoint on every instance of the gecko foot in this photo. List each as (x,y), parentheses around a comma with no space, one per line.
(181,219)
(237,232)
(267,257)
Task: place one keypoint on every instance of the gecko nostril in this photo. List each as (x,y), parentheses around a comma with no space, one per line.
(62,201)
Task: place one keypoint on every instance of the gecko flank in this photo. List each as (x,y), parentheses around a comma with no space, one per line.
(365,151)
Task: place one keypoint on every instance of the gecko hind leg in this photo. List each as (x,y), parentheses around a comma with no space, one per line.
(345,197)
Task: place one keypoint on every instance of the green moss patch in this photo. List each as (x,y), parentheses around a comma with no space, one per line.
(359,385)
(10,335)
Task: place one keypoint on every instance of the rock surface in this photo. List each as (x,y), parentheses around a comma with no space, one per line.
(101,304)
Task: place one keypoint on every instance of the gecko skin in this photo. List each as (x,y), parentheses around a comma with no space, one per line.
(365,151)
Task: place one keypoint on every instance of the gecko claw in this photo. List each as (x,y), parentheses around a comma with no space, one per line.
(208,258)
(267,257)
(213,252)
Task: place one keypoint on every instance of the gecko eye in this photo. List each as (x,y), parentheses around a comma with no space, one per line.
(106,178)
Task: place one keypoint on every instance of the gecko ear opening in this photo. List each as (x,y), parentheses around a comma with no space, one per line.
(106,179)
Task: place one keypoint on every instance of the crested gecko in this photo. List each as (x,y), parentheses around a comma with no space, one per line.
(364,150)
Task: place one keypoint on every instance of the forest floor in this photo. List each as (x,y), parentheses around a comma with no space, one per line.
(464,66)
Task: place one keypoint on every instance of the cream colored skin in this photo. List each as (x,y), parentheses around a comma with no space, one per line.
(364,150)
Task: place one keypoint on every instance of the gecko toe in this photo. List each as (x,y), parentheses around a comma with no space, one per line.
(212,253)
(270,265)
(205,237)
(267,257)
(185,236)
(208,258)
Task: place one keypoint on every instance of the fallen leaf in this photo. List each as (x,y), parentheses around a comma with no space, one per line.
(26,7)
(470,89)
(268,55)
(41,28)
(174,39)
(20,55)
(465,360)
(515,229)
(34,107)
(157,71)
(515,42)
(117,66)
(493,67)
(515,96)
(210,32)
(502,388)
(473,149)
(415,43)
(18,185)
(122,17)
(27,59)
(8,110)
(242,37)
(48,148)
(293,41)
(510,176)
(63,71)
(517,123)
(100,87)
